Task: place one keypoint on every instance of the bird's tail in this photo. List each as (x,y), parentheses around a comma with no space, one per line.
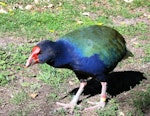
(128,54)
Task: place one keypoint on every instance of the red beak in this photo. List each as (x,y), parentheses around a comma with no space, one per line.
(33,59)
(30,61)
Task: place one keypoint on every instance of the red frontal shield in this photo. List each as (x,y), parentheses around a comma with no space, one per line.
(33,58)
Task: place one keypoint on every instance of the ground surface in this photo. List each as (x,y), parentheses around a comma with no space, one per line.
(128,90)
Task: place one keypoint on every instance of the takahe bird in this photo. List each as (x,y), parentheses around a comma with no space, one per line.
(93,51)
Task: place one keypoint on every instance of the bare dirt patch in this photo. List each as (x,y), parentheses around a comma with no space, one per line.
(4,41)
(144,18)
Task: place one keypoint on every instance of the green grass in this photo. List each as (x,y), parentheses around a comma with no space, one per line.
(19,97)
(139,3)
(22,112)
(1,101)
(39,25)
(18,1)
(112,109)
(141,100)
(52,96)
(147,52)
(137,29)
(30,25)
(3,79)
(54,77)
(12,60)
(4,64)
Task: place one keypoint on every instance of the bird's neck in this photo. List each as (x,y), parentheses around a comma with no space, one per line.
(61,58)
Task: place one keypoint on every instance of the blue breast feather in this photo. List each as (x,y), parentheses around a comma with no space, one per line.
(71,57)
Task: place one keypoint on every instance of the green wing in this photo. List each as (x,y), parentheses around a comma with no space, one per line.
(101,40)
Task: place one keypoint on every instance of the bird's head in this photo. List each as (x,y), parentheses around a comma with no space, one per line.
(41,53)
(33,58)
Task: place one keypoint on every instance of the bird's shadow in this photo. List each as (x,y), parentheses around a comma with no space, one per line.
(118,82)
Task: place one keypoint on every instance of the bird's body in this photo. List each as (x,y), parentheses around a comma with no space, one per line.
(93,51)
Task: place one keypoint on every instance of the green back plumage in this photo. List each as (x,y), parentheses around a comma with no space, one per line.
(101,40)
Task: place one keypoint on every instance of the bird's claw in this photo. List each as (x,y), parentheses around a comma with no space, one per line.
(97,105)
(70,107)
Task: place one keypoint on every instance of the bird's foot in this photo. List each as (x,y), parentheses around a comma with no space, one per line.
(97,105)
(67,107)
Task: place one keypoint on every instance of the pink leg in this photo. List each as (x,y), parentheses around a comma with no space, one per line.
(75,99)
(102,102)
(103,94)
